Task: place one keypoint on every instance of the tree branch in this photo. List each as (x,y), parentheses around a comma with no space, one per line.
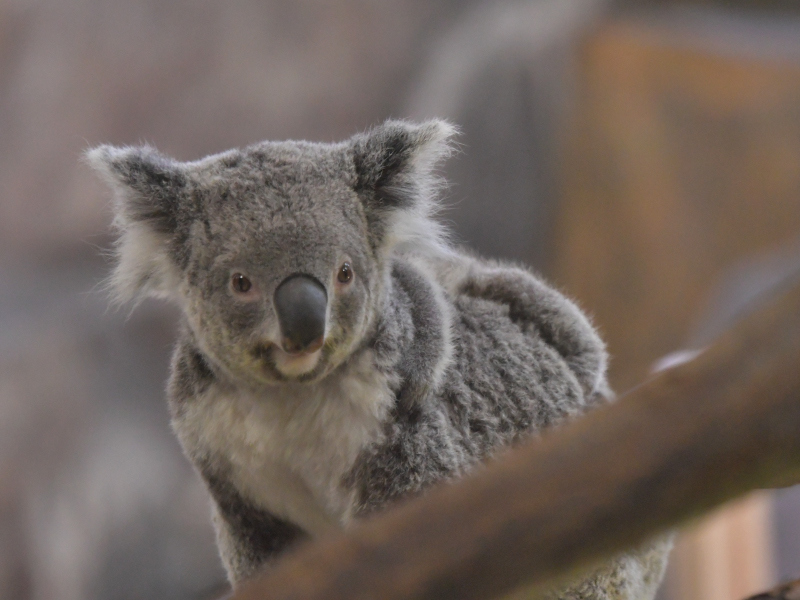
(683,442)
(785,591)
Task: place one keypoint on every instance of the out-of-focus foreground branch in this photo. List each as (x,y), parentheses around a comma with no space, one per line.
(683,442)
(785,591)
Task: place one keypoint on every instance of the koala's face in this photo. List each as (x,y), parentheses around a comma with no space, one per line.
(277,253)
(281,280)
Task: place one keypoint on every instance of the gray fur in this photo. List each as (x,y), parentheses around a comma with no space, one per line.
(433,359)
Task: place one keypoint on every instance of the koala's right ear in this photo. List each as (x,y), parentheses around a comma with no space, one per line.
(395,166)
(148,190)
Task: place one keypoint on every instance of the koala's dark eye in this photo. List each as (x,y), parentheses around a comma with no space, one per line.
(241,283)
(345,273)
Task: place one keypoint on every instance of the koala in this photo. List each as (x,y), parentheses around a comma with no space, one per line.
(337,353)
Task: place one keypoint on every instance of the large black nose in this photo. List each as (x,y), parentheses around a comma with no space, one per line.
(301,302)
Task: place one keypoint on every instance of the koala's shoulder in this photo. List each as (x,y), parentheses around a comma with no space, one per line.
(191,374)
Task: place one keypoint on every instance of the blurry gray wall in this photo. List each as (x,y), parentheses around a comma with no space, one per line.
(502,72)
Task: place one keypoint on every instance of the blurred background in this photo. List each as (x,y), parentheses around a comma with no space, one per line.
(644,156)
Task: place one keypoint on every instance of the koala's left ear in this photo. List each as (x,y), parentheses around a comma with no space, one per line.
(395,167)
(149,188)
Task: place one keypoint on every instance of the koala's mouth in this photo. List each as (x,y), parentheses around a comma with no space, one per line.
(296,364)
(288,365)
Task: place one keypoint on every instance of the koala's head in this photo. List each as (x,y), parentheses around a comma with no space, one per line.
(277,253)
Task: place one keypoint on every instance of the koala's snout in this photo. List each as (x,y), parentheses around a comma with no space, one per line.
(301,303)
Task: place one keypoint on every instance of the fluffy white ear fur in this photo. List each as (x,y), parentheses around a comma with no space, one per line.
(143,263)
(418,227)
(417,150)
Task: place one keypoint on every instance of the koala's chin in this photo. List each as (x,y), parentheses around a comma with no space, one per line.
(295,366)
(271,365)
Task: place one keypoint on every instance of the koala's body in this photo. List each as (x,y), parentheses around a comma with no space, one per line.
(336,352)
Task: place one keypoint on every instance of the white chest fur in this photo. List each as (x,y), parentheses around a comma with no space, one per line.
(289,449)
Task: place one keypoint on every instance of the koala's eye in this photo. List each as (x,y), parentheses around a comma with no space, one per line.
(241,283)
(345,273)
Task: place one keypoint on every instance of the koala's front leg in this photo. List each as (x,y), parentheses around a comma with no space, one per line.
(558,320)
(247,536)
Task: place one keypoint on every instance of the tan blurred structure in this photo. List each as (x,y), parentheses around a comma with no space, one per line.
(729,554)
(685,160)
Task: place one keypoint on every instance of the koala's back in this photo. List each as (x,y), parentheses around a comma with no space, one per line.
(506,376)
(505,381)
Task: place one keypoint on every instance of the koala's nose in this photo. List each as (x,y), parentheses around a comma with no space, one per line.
(301,302)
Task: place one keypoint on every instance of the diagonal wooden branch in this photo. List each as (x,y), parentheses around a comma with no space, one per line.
(681,443)
(785,591)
